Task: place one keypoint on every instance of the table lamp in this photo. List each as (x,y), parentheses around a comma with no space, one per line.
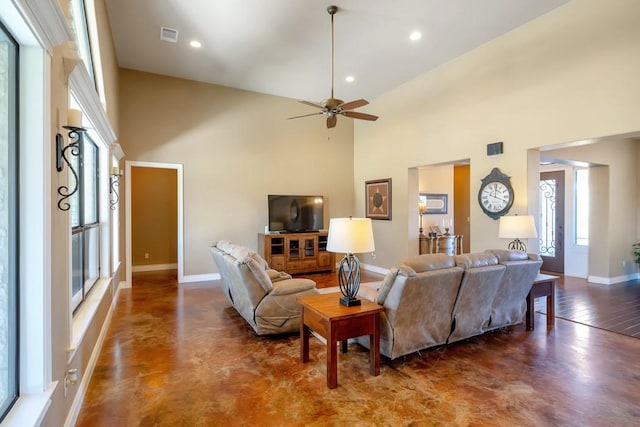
(517,227)
(350,236)
(422,206)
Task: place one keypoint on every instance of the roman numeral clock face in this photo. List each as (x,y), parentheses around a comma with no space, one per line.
(495,197)
(496,194)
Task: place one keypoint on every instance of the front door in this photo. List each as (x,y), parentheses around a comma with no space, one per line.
(552,221)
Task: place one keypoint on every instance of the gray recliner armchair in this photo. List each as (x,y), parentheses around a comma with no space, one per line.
(267,299)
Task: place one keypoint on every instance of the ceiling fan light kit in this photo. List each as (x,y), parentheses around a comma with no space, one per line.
(334,107)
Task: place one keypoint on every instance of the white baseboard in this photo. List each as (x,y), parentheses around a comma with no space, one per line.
(613,280)
(200,278)
(374,268)
(153,267)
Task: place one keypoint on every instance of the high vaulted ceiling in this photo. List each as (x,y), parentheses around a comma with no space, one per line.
(283,47)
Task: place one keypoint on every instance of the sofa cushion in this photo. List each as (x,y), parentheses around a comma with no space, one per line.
(430,262)
(225,246)
(476,260)
(508,255)
(256,264)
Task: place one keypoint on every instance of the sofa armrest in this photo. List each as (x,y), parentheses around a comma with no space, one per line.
(292,286)
(277,276)
(369,291)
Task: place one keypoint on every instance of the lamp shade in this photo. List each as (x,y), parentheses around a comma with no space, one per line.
(517,227)
(350,236)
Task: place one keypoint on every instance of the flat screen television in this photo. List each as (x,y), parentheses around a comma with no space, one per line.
(293,214)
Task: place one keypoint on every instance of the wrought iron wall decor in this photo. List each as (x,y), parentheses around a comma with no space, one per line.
(113,189)
(73,149)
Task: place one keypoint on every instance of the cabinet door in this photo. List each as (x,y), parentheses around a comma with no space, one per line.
(294,254)
(310,252)
(294,249)
(324,259)
(276,246)
(310,249)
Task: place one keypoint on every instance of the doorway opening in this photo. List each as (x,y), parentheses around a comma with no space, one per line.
(148,180)
(444,192)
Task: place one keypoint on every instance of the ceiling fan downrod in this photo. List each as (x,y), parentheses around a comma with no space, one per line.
(332,11)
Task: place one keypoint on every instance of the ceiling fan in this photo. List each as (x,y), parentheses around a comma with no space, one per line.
(333,107)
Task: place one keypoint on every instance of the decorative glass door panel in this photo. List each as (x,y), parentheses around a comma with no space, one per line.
(552,221)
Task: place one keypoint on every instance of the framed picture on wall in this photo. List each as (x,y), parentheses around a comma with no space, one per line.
(434,203)
(378,199)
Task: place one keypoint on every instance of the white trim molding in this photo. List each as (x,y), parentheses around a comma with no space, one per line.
(117,151)
(46,19)
(374,269)
(613,280)
(192,278)
(153,267)
(86,94)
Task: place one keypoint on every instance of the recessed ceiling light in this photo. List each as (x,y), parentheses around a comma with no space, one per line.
(416,35)
(195,43)
(350,79)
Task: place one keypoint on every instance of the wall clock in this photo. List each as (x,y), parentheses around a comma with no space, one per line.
(496,194)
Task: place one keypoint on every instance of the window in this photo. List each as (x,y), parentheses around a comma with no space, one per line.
(79,23)
(85,239)
(582,207)
(8,221)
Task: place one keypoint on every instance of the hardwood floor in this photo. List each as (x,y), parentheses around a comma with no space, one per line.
(615,307)
(327,280)
(178,355)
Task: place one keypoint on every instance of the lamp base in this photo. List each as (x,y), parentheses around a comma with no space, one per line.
(517,245)
(350,302)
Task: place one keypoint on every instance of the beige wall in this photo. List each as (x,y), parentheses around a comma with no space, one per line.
(570,75)
(236,147)
(108,61)
(154,216)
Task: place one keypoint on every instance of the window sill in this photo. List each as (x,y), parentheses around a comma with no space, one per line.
(30,409)
(83,318)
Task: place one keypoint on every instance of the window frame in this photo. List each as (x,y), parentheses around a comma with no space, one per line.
(83,228)
(83,41)
(13,216)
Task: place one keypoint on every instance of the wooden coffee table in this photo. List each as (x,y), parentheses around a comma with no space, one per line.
(325,316)
(543,286)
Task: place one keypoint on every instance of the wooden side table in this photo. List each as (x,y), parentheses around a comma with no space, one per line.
(543,286)
(334,322)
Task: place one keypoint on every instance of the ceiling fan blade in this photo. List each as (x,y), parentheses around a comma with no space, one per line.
(331,121)
(354,104)
(362,116)
(304,115)
(313,104)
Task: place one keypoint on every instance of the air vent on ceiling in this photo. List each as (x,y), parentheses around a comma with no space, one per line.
(169,34)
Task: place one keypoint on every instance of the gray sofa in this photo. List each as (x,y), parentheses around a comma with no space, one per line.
(267,299)
(436,299)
